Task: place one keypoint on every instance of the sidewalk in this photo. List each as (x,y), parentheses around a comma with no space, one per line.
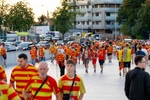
(106,86)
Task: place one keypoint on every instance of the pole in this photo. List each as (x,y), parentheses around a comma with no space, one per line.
(47,11)
(2,20)
(74,9)
(115,20)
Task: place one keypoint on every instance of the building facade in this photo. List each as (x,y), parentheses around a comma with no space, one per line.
(97,16)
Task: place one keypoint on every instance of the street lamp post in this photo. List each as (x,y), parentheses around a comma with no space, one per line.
(115,19)
(3,20)
(3,28)
(47,10)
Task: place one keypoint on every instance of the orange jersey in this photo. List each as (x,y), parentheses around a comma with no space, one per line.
(21,76)
(45,93)
(41,52)
(33,53)
(52,50)
(2,73)
(110,49)
(74,55)
(3,51)
(67,50)
(60,58)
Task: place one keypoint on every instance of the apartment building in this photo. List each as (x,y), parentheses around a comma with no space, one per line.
(97,16)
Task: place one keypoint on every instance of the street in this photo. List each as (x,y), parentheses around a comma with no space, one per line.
(99,86)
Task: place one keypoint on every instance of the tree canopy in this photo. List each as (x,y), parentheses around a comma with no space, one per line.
(63,17)
(21,15)
(128,16)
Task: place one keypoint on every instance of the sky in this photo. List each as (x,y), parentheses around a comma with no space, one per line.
(38,9)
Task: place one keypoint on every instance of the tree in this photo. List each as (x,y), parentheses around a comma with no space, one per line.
(63,17)
(20,16)
(127,15)
(142,26)
(41,19)
(3,12)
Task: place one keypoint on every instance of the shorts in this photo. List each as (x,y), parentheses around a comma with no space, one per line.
(4,56)
(86,61)
(52,55)
(101,62)
(109,54)
(127,64)
(93,61)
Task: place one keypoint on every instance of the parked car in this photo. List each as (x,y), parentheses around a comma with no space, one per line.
(95,37)
(24,46)
(10,47)
(10,41)
(47,39)
(1,40)
(46,44)
(60,42)
(56,38)
(16,43)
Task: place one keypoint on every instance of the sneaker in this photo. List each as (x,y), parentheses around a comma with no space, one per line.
(94,71)
(86,71)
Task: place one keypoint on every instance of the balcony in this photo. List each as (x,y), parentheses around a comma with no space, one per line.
(97,18)
(83,26)
(78,3)
(85,10)
(107,1)
(82,18)
(110,18)
(105,9)
(97,26)
(112,26)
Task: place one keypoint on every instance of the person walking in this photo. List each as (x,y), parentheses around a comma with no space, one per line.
(71,84)
(110,52)
(7,92)
(86,58)
(21,74)
(120,60)
(127,58)
(49,85)
(101,57)
(3,76)
(33,55)
(4,53)
(60,60)
(137,81)
(94,59)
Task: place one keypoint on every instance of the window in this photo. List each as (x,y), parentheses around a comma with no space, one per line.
(96,14)
(107,14)
(87,22)
(97,22)
(108,22)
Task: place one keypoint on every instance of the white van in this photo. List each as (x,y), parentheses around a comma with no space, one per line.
(128,40)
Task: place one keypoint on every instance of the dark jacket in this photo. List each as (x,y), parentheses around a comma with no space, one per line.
(137,85)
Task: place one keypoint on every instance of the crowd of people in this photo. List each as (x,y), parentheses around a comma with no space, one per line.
(30,83)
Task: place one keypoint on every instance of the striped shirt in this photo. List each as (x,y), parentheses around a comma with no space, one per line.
(2,73)
(7,92)
(45,93)
(21,76)
(65,83)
